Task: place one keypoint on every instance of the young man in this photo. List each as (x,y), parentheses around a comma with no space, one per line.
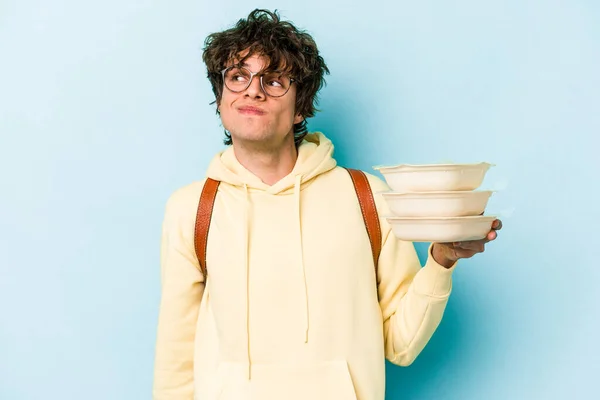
(291,306)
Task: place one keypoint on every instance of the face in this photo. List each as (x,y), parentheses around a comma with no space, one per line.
(253,117)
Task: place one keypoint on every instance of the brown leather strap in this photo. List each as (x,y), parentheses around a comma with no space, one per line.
(203,217)
(369,211)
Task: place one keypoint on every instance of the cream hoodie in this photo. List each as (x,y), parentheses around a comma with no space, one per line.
(291,308)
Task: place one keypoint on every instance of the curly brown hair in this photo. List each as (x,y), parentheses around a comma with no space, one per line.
(285,47)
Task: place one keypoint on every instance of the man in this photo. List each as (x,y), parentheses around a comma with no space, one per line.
(290,307)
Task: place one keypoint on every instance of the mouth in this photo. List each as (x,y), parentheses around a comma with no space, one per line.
(249,110)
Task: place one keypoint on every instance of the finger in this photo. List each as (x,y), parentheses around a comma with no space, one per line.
(472,245)
(461,253)
(497,225)
(491,235)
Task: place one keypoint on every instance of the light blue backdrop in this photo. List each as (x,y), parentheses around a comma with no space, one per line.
(104,111)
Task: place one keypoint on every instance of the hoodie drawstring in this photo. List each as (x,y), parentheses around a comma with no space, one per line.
(301,253)
(247,259)
(297,184)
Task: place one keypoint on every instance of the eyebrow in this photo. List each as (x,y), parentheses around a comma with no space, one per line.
(248,66)
(245,65)
(281,72)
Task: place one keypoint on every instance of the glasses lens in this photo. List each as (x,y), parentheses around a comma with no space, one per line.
(276,84)
(237,79)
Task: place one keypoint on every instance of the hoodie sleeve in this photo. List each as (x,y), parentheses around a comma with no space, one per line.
(412,297)
(182,287)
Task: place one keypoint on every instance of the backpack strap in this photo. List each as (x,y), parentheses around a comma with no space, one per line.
(369,211)
(203,217)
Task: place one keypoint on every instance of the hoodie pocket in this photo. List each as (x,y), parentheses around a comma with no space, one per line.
(317,380)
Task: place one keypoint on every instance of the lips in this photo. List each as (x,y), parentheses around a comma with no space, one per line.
(249,110)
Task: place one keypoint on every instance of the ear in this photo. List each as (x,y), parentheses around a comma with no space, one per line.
(298,118)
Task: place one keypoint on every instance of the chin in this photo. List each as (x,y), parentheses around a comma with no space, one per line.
(253,133)
(252,136)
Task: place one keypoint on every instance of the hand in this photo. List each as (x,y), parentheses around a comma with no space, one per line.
(446,254)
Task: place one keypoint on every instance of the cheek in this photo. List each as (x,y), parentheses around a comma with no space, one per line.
(292,104)
(225,107)
(289,109)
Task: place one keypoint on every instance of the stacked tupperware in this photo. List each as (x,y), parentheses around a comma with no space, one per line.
(437,202)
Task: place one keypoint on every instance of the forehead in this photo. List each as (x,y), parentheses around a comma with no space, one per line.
(254,62)
(258,62)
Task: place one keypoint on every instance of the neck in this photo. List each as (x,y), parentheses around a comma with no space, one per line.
(269,163)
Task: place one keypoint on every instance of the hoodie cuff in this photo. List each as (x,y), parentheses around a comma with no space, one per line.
(434,279)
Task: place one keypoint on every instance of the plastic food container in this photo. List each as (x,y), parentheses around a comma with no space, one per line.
(441,229)
(434,177)
(437,204)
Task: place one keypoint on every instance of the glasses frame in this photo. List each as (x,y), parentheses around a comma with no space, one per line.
(252,75)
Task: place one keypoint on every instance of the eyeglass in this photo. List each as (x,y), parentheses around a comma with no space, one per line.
(237,79)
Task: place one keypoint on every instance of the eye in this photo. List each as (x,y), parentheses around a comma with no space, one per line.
(237,75)
(275,82)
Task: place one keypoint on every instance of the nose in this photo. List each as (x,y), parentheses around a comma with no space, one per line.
(255,90)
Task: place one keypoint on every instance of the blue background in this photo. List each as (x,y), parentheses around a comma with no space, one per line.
(104,111)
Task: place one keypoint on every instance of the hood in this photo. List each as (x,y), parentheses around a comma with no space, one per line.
(315,157)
